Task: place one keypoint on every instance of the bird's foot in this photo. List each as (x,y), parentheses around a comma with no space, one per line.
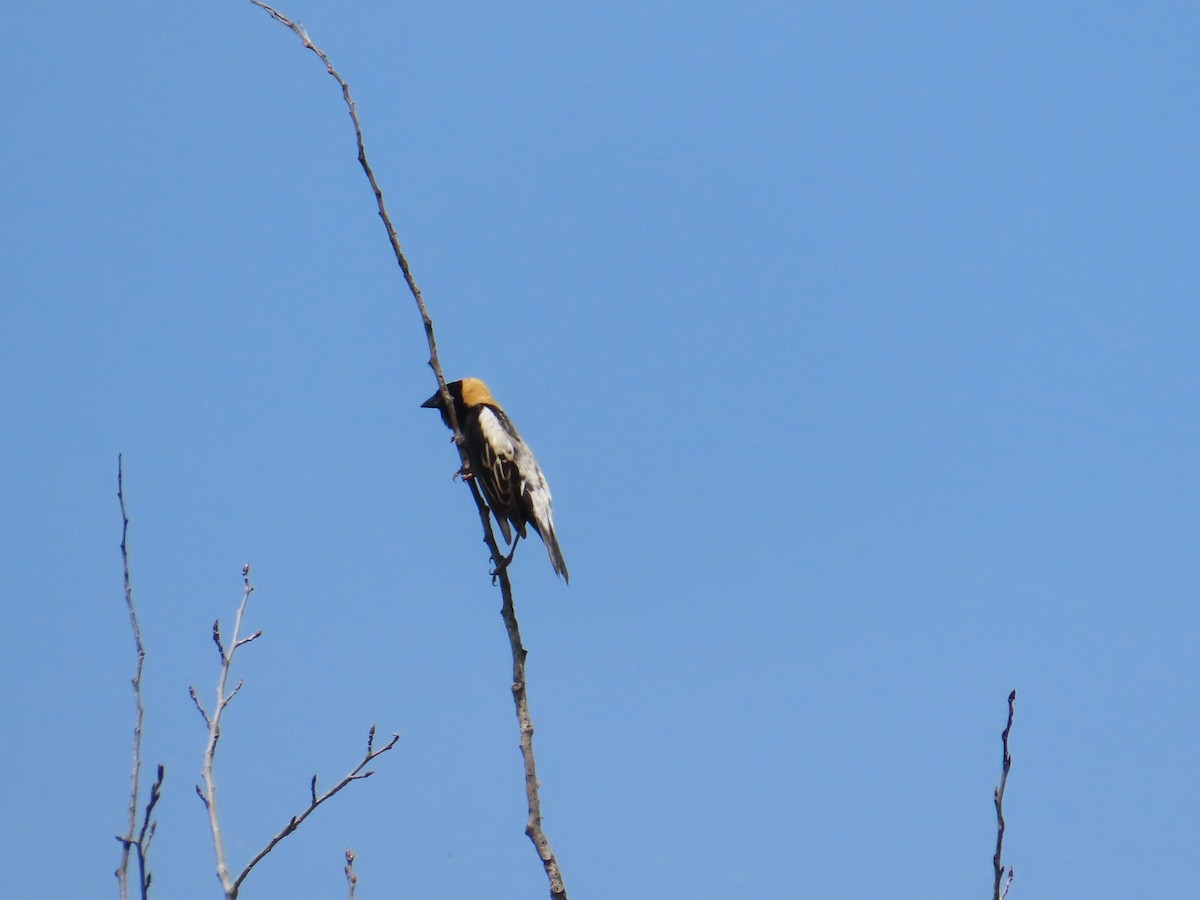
(504,563)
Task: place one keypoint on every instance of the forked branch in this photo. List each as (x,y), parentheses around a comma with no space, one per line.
(208,793)
(355,774)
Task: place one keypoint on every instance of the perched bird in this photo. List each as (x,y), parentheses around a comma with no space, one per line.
(503,465)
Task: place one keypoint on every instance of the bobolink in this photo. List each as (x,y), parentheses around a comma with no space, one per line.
(503,465)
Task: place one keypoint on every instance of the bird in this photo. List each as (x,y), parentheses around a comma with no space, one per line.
(503,465)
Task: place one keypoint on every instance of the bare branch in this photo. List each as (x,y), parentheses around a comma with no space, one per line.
(199,708)
(533,826)
(351,877)
(141,843)
(149,827)
(216,636)
(236,688)
(355,774)
(209,792)
(998,798)
(244,641)
(393,239)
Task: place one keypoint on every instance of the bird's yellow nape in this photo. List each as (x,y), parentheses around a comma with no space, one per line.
(476,393)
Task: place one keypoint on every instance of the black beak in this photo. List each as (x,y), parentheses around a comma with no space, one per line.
(434,402)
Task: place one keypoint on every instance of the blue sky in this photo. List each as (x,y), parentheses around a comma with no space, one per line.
(858,344)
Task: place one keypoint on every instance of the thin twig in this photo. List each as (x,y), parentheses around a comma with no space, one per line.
(393,238)
(533,826)
(209,793)
(141,843)
(356,774)
(148,829)
(998,797)
(351,875)
(199,708)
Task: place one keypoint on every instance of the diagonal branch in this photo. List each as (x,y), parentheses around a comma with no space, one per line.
(355,774)
(998,797)
(393,238)
(533,827)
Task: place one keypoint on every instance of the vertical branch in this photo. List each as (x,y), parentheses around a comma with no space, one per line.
(351,875)
(999,893)
(129,842)
(135,775)
(146,834)
(533,826)
(223,697)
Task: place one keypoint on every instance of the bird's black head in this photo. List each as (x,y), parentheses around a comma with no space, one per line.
(456,396)
(466,394)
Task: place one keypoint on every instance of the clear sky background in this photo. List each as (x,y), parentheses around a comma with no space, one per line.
(858,343)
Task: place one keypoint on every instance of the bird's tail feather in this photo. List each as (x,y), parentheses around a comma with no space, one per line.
(550,539)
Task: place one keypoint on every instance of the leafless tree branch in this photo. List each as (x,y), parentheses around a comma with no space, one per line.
(129,843)
(998,892)
(199,707)
(393,238)
(355,774)
(533,826)
(351,876)
(208,793)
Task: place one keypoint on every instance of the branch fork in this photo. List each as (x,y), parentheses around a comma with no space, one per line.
(207,793)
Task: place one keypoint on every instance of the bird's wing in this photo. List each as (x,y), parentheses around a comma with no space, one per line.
(535,492)
(500,475)
(519,489)
(537,505)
